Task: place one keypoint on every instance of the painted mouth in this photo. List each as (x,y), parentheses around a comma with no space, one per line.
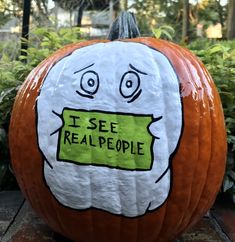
(126,139)
(61,118)
(154,120)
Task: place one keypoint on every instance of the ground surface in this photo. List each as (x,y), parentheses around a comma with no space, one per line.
(18,223)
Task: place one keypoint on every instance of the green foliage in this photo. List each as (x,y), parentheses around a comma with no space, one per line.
(4,18)
(44,41)
(211,12)
(153,13)
(164,31)
(219,59)
(9,49)
(4,14)
(13,71)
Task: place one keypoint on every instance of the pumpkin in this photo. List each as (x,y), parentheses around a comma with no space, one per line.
(119,140)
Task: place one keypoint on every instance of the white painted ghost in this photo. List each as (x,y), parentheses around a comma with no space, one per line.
(115,77)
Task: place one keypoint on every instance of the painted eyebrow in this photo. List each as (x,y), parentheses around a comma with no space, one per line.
(135,69)
(84,68)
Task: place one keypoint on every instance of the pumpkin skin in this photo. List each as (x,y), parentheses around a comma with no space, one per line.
(197,166)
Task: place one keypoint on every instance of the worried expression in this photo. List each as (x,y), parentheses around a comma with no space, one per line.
(109,120)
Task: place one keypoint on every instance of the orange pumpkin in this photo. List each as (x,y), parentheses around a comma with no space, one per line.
(197,166)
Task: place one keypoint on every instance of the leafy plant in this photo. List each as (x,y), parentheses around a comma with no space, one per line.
(14,68)
(44,41)
(164,31)
(11,77)
(219,59)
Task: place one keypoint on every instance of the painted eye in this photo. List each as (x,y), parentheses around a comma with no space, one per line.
(90,82)
(130,83)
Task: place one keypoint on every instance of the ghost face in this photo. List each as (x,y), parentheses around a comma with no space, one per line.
(109,120)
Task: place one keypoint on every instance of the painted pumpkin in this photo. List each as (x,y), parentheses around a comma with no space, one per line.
(119,140)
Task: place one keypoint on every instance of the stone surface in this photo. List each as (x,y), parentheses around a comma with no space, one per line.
(10,203)
(28,227)
(224,212)
(205,231)
(18,223)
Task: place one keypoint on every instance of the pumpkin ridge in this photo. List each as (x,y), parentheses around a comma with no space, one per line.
(202,103)
(196,64)
(208,98)
(95,225)
(209,200)
(25,85)
(203,190)
(185,216)
(45,67)
(178,54)
(215,122)
(119,229)
(165,206)
(162,222)
(172,161)
(92,225)
(148,41)
(28,86)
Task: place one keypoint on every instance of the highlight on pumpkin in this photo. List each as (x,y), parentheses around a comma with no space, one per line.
(121,139)
(108,118)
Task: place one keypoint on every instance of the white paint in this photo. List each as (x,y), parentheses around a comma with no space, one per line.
(130,193)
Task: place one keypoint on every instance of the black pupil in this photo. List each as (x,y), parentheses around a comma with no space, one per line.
(129,84)
(91,82)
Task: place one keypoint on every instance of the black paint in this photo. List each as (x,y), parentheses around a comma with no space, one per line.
(124,27)
(126,78)
(102,140)
(25,27)
(169,168)
(95,81)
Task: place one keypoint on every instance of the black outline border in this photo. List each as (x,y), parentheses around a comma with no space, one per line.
(121,82)
(170,166)
(98,82)
(102,165)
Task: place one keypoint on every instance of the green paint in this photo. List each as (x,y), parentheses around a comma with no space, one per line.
(106,139)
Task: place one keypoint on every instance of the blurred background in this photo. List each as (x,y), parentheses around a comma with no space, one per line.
(190,19)
(31,30)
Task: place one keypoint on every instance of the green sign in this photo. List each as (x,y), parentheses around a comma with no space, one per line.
(115,140)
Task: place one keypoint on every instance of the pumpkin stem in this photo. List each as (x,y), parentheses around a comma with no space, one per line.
(124,27)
